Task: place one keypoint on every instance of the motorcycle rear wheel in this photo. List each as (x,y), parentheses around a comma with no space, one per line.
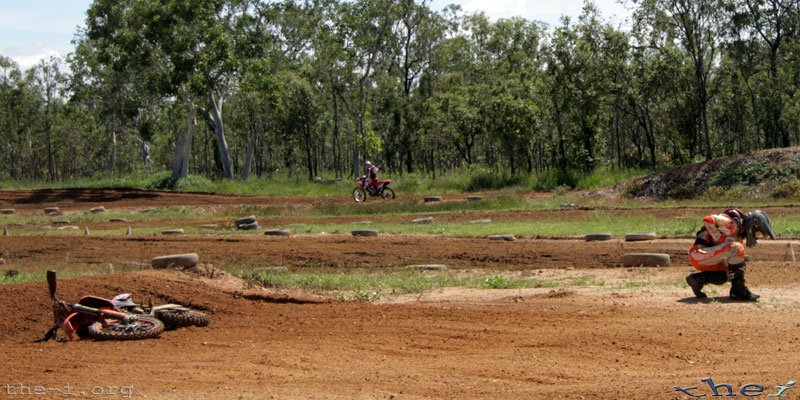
(359,195)
(174,319)
(388,194)
(142,328)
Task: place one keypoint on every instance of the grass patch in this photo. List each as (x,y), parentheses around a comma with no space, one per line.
(371,286)
(41,276)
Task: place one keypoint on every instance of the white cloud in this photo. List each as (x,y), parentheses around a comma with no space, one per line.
(29,57)
(549,11)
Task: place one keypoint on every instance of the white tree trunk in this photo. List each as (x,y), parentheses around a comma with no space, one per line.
(214,118)
(248,158)
(183,142)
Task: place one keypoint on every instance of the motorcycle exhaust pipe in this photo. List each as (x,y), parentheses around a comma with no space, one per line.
(51,283)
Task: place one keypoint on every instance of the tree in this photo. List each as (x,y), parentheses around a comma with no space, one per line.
(696,25)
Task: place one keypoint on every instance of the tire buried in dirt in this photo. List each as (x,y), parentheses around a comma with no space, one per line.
(145,328)
(645,260)
(427,267)
(593,237)
(174,319)
(364,232)
(639,237)
(245,220)
(176,260)
(278,232)
(508,238)
(248,227)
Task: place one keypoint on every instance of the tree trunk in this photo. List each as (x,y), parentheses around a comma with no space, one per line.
(214,117)
(183,143)
(337,147)
(112,158)
(248,158)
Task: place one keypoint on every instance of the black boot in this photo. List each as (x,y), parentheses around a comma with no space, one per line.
(739,290)
(697,280)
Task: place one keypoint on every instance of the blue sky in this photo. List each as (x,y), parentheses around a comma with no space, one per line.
(36,29)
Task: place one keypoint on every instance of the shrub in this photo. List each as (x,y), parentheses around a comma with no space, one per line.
(555,178)
(498,282)
(718,193)
(631,189)
(488,180)
(681,192)
(189,183)
(788,190)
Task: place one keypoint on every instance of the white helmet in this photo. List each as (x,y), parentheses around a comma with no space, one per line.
(367,163)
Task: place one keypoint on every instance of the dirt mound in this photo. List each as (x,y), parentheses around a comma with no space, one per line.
(759,174)
(33,200)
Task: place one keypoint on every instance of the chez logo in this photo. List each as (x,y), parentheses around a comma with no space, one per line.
(711,389)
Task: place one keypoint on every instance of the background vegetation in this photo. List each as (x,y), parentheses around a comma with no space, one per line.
(301,89)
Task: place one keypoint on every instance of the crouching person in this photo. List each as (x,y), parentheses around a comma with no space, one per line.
(719,254)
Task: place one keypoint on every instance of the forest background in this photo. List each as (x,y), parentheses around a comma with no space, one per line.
(231,89)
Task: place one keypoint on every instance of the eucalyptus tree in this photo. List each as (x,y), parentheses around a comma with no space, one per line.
(114,99)
(277,37)
(458,106)
(17,112)
(558,86)
(418,31)
(760,31)
(697,26)
(47,80)
(364,28)
(185,49)
(334,71)
(515,63)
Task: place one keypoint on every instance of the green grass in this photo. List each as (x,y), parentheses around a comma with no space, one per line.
(450,218)
(63,273)
(468,179)
(371,286)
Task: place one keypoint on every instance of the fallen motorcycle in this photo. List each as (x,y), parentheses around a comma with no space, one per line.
(172,315)
(379,189)
(98,319)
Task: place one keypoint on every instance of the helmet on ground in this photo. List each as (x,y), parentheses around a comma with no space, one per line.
(757,221)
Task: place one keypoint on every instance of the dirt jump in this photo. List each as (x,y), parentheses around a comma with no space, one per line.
(637,335)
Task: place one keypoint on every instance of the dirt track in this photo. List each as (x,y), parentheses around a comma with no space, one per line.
(616,341)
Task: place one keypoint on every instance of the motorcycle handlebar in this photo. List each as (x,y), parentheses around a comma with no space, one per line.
(51,283)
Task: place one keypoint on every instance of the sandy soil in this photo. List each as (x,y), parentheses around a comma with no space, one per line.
(615,341)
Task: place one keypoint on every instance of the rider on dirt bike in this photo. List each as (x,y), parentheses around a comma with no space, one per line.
(370,176)
(718,251)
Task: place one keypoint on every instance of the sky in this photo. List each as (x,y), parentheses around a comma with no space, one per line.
(33,30)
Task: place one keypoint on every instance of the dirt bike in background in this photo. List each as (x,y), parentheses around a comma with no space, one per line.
(172,315)
(378,189)
(98,318)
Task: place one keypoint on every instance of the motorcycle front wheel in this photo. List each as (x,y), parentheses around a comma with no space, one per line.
(174,319)
(388,194)
(141,328)
(359,195)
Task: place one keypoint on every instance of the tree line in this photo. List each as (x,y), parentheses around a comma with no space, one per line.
(241,88)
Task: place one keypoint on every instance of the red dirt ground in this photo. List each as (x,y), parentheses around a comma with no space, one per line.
(635,337)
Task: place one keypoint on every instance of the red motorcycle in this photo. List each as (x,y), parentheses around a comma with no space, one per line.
(377,189)
(98,318)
